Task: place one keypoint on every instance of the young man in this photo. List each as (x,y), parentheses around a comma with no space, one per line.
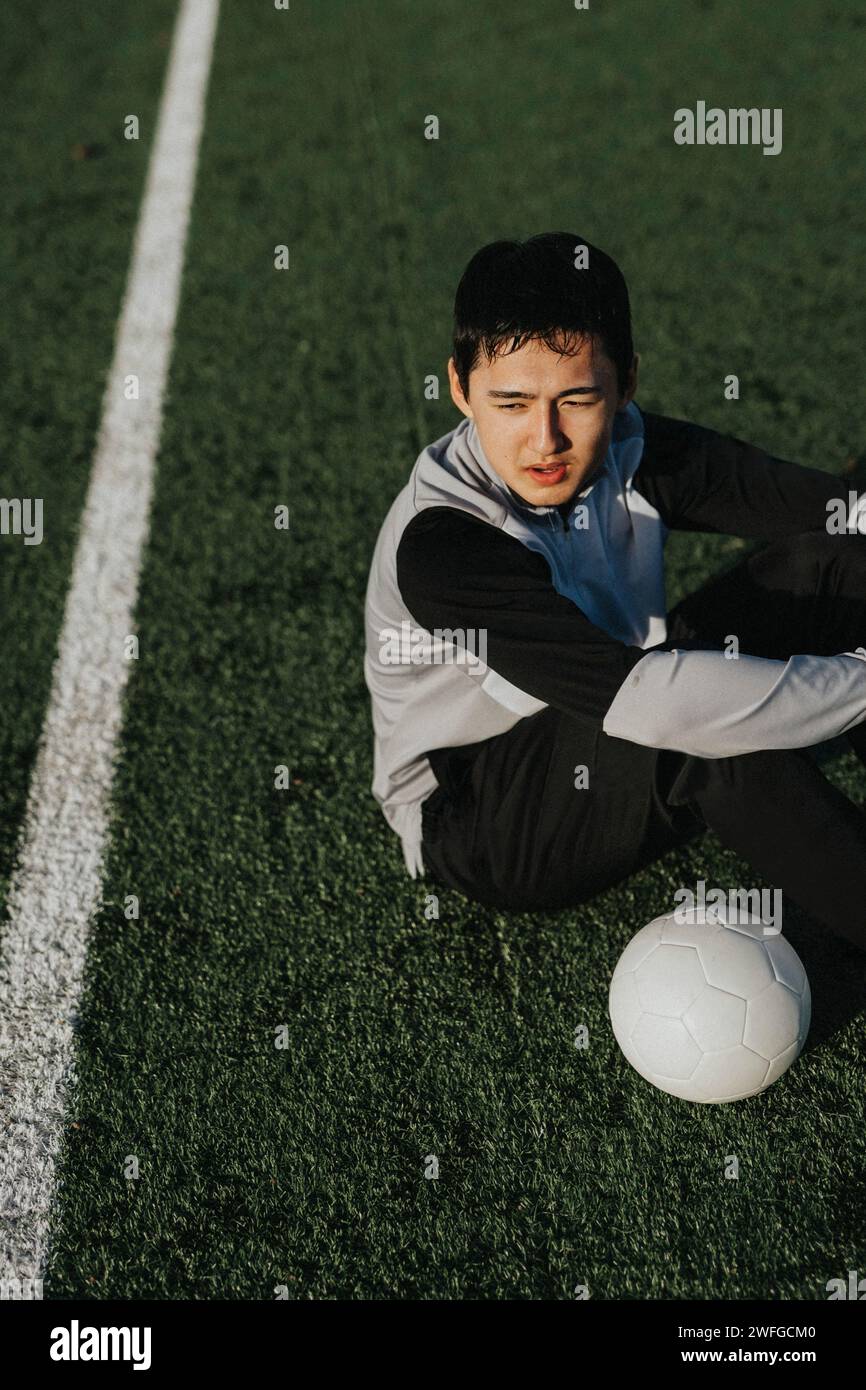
(542,726)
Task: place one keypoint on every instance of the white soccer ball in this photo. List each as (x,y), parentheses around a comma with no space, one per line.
(708,1010)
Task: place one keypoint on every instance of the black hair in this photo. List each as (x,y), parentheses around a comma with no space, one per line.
(513,292)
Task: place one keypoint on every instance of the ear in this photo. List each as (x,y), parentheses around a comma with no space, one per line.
(631,386)
(457,395)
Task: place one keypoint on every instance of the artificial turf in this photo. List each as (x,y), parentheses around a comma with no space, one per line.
(71,192)
(265,909)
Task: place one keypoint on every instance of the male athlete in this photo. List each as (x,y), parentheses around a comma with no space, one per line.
(542,726)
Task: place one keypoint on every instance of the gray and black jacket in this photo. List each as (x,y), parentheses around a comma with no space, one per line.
(482,609)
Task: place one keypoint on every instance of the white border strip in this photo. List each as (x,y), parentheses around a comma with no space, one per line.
(56,886)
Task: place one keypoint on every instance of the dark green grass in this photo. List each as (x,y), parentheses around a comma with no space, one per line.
(70,74)
(454,1037)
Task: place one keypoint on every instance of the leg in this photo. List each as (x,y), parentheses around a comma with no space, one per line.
(803,594)
(508,827)
(778,811)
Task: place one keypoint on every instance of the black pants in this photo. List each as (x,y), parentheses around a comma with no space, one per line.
(508,827)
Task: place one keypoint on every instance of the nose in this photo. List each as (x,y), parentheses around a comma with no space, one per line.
(547,437)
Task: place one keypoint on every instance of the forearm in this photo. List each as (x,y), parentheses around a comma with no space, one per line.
(712,706)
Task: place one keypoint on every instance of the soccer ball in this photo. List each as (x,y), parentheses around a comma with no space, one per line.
(708,1010)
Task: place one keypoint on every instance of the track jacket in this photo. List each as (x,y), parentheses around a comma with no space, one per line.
(482,609)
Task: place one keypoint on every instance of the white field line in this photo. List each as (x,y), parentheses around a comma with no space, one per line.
(56,886)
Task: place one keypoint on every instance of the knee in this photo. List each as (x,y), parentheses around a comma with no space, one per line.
(807,547)
(806,556)
(707,782)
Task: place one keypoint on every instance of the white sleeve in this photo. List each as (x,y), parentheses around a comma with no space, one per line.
(714,706)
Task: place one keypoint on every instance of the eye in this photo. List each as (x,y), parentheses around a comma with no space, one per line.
(515,405)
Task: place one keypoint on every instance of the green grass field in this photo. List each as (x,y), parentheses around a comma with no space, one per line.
(304,1166)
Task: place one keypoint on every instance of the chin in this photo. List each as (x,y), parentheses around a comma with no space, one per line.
(563,492)
(547,496)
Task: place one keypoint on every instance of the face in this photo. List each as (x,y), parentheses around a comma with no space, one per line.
(544,420)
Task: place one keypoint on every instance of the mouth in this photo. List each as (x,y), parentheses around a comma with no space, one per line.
(549,474)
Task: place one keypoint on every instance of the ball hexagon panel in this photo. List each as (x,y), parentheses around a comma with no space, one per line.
(664,1046)
(624,1004)
(640,946)
(717,1020)
(786,963)
(773,1021)
(731,1075)
(670,979)
(735,962)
